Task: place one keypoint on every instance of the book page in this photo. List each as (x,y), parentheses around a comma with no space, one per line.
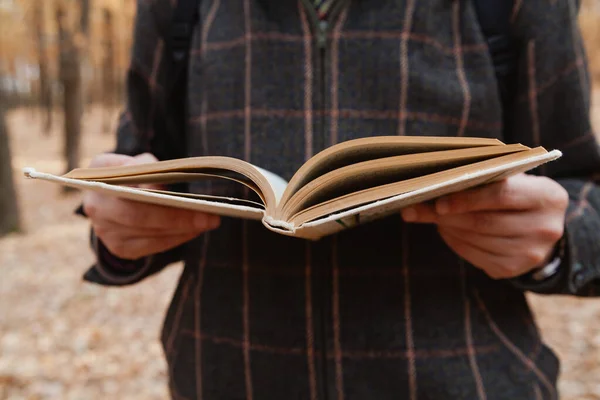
(373,173)
(278,184)
(182,177)
(263,182)
(371,148)
(212,206)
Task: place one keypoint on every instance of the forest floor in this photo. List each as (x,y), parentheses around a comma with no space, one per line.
(61,338)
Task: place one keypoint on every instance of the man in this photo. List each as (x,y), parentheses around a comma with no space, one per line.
(427,305)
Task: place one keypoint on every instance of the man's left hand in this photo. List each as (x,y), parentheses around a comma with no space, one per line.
(506,228)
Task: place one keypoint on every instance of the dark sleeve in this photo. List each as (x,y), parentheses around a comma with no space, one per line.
(142,128)
(552,109)
(110,270)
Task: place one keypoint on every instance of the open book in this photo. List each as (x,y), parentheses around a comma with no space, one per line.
(351,183)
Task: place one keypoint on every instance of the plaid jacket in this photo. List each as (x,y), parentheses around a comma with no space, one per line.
(384,310)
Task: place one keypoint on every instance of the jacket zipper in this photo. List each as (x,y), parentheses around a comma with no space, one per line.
(319,28)
(322,275)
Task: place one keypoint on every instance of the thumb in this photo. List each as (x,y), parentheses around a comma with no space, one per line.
(144,158)
(109,160)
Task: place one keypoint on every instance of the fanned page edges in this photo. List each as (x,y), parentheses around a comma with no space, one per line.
(154,197)
(186,170)
(366,176)
(375,147)
(365,213)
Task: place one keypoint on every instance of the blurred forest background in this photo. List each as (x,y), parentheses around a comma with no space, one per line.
(62,70)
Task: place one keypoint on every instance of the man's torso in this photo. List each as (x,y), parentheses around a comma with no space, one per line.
(382,311)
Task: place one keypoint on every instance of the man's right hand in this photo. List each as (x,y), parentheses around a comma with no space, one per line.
(131,230)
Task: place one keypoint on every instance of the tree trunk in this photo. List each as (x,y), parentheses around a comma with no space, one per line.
(73,103)
(9,210)
(70,76)
(84,21)
(84,61)
(108,71)
(45,88)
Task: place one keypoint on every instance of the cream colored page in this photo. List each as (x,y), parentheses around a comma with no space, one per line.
(277,183)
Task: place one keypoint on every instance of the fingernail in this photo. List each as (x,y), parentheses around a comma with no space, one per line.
(214,221)
(206,221)
(442,206)
(145,158)
(409,214)
(201,221)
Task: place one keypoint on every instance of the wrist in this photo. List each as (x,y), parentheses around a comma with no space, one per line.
(553,264)
(118,271)
(113,263)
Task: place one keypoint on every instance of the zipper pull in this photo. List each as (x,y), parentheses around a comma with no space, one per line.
(322,34)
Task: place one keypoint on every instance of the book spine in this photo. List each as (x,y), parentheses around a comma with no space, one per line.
(279,224)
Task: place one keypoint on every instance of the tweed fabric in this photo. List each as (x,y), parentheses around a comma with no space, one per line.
(385,310)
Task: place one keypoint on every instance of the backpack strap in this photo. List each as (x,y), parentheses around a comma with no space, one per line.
(494,19)
(178,42)
(170,138)
(185,18)
(170,121)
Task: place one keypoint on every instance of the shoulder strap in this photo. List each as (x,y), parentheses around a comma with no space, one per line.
(172,142)
(184,19)
(494,19)
(494,15)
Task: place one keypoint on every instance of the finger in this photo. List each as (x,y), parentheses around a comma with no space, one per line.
(145,158)
(530,251)
(142,216)
(93,205)
(519,192)
(419,213)
(497,245)
(492,264)
(503,223)
(107,227)
(110,160)
(135,248)
(147,216)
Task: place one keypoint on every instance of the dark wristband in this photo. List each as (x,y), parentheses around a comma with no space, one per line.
(114,263)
